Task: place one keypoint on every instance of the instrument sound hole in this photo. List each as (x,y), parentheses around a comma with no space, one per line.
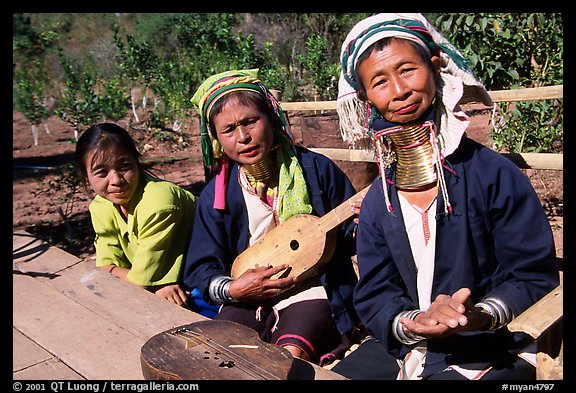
(294,245)
(227,364)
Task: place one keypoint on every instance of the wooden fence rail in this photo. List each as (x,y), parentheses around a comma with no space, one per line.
(523,160)
(526,94)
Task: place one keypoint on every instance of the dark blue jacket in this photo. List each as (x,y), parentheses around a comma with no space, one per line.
(218,237)
(498,243)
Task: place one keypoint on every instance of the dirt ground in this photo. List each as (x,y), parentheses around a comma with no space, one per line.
(48,202)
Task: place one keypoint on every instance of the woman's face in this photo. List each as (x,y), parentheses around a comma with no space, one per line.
(114,179)
(244,132)
(398,82)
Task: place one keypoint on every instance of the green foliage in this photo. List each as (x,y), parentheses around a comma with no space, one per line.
(113,102)
(168,55)
(512,49)
(28,98)
(204,42)
(136,60)
(320,71)
(30,43)
(515,50)
(273,74)
(29,83)
(172,86)
(86,100)
(79,103)
(531,127)
(244,53)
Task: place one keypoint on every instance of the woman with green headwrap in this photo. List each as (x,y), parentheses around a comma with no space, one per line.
(262,179)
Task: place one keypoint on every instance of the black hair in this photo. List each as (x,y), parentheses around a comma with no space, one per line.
(102,139)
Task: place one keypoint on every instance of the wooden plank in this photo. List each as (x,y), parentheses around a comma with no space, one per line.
(22,239)
(37,258)
(524,94)
(138,311)
(537,160)
(88,343)
(51,369)
(528,94)
(522,160)
(53,310)
(346,154)
(541,315)
(308,106)
(29,353)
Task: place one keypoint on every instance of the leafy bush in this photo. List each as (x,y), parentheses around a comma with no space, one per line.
(512,51)
(169,55)
(323,74)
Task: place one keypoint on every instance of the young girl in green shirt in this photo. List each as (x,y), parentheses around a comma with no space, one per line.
(142,223)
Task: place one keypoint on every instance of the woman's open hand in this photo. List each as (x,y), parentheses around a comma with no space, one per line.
(256,285)
(173,293)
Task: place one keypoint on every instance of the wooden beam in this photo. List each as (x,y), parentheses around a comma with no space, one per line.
(535,320)
(524,94)
(346,154)
(528,94)
(308,106)
(537,160)
(522,160)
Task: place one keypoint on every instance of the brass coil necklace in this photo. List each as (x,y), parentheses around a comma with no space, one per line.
(414,152)
(261,171)
(262,177)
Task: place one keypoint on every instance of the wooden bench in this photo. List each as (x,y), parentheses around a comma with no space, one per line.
(90,323)
(74,321)
(543,321)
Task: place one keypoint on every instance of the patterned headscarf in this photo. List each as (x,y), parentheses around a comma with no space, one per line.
(293,195)
(456,84)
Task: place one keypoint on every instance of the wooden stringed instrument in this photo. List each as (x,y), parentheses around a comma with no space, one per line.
(213,350)
(303,241)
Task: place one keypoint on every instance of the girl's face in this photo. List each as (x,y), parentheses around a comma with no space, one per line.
(398,82)
(244,132)
(114,177)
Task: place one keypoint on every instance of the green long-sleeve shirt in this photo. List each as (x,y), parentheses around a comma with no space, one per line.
(153,240)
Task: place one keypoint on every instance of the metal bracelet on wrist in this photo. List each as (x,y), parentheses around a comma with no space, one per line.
(498,310)
(484,308)
(406,337)
(219,290)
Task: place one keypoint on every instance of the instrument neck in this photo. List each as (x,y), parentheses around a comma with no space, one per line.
(334,218)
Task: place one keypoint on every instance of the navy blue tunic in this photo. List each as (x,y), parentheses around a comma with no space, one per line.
(497,242)
(218,237)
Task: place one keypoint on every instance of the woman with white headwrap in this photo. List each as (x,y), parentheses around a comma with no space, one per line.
(452,241)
